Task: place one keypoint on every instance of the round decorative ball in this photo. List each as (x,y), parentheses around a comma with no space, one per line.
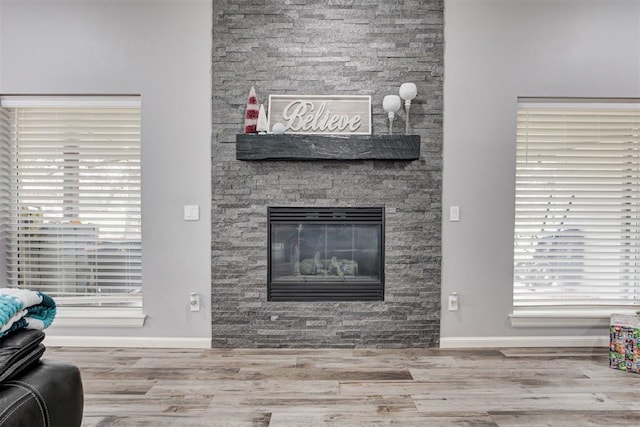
(391,103)
(408,91)
(278,128)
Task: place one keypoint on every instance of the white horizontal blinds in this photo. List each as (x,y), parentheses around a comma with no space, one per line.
(5,164)
(75,203)
(577,224)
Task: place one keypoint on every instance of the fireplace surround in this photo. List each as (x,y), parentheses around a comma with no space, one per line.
(337,48)
(325,254)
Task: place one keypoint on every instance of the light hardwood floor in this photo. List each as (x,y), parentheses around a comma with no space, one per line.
(359,387)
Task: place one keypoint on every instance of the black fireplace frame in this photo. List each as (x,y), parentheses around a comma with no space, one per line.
(329,290)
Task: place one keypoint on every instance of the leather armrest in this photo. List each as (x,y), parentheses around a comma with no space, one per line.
(49,394)
(18,351)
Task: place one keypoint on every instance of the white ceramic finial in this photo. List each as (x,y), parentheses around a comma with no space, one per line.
(408,91)
(391,104)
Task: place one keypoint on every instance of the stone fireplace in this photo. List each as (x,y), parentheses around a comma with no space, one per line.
(326,47)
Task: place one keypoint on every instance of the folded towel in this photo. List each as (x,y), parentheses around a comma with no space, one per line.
(23,308)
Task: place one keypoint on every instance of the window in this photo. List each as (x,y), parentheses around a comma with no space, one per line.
(70,188)
(577,224)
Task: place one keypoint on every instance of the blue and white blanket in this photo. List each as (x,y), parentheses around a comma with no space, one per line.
(23,308)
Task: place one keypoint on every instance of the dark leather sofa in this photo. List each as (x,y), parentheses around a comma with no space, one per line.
(36,392)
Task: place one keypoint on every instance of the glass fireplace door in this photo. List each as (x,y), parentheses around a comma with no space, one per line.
(330,254)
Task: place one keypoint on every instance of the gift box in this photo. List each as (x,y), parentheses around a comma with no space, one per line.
(624,343)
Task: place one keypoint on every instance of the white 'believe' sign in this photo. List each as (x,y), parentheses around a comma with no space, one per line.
(318,114)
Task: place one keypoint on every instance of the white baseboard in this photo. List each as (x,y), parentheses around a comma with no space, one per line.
(445,342)
(142,342)
(553,341)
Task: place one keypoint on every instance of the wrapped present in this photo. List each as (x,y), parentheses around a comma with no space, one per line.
(624,342)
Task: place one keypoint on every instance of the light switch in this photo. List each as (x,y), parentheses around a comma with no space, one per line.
(191,212)
(454,303)
(454,213)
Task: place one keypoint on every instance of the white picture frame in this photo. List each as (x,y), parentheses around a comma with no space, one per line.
(321,114)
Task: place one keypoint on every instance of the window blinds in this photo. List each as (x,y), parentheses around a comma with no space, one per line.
(74,227)
(577,223)
(5,165)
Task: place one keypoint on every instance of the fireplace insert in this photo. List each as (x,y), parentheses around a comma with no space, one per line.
(325,254)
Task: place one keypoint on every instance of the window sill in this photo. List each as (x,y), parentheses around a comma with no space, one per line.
(93,317)
(564,318)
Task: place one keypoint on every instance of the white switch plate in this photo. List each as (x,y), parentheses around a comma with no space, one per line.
(453,302)
(454,213)
(194,301)
(191,212)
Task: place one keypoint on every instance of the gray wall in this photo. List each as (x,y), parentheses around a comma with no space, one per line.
(161,50)
(1,32)
(497,50)
(323,48)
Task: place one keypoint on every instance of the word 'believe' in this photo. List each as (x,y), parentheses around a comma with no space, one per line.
(302,116)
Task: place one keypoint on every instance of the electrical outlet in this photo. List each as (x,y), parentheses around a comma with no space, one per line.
(453,301)
(191,212)
(194,302)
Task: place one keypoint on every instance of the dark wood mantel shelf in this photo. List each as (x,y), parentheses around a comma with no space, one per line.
(327,147)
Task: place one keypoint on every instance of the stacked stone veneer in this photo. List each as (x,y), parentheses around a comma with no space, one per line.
(327,47)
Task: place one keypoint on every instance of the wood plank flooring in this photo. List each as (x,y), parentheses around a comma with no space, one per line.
(359,387)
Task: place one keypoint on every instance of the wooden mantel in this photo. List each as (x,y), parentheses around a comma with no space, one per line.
(327,147)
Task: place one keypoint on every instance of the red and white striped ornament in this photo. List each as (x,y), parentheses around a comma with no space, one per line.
(251,113)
